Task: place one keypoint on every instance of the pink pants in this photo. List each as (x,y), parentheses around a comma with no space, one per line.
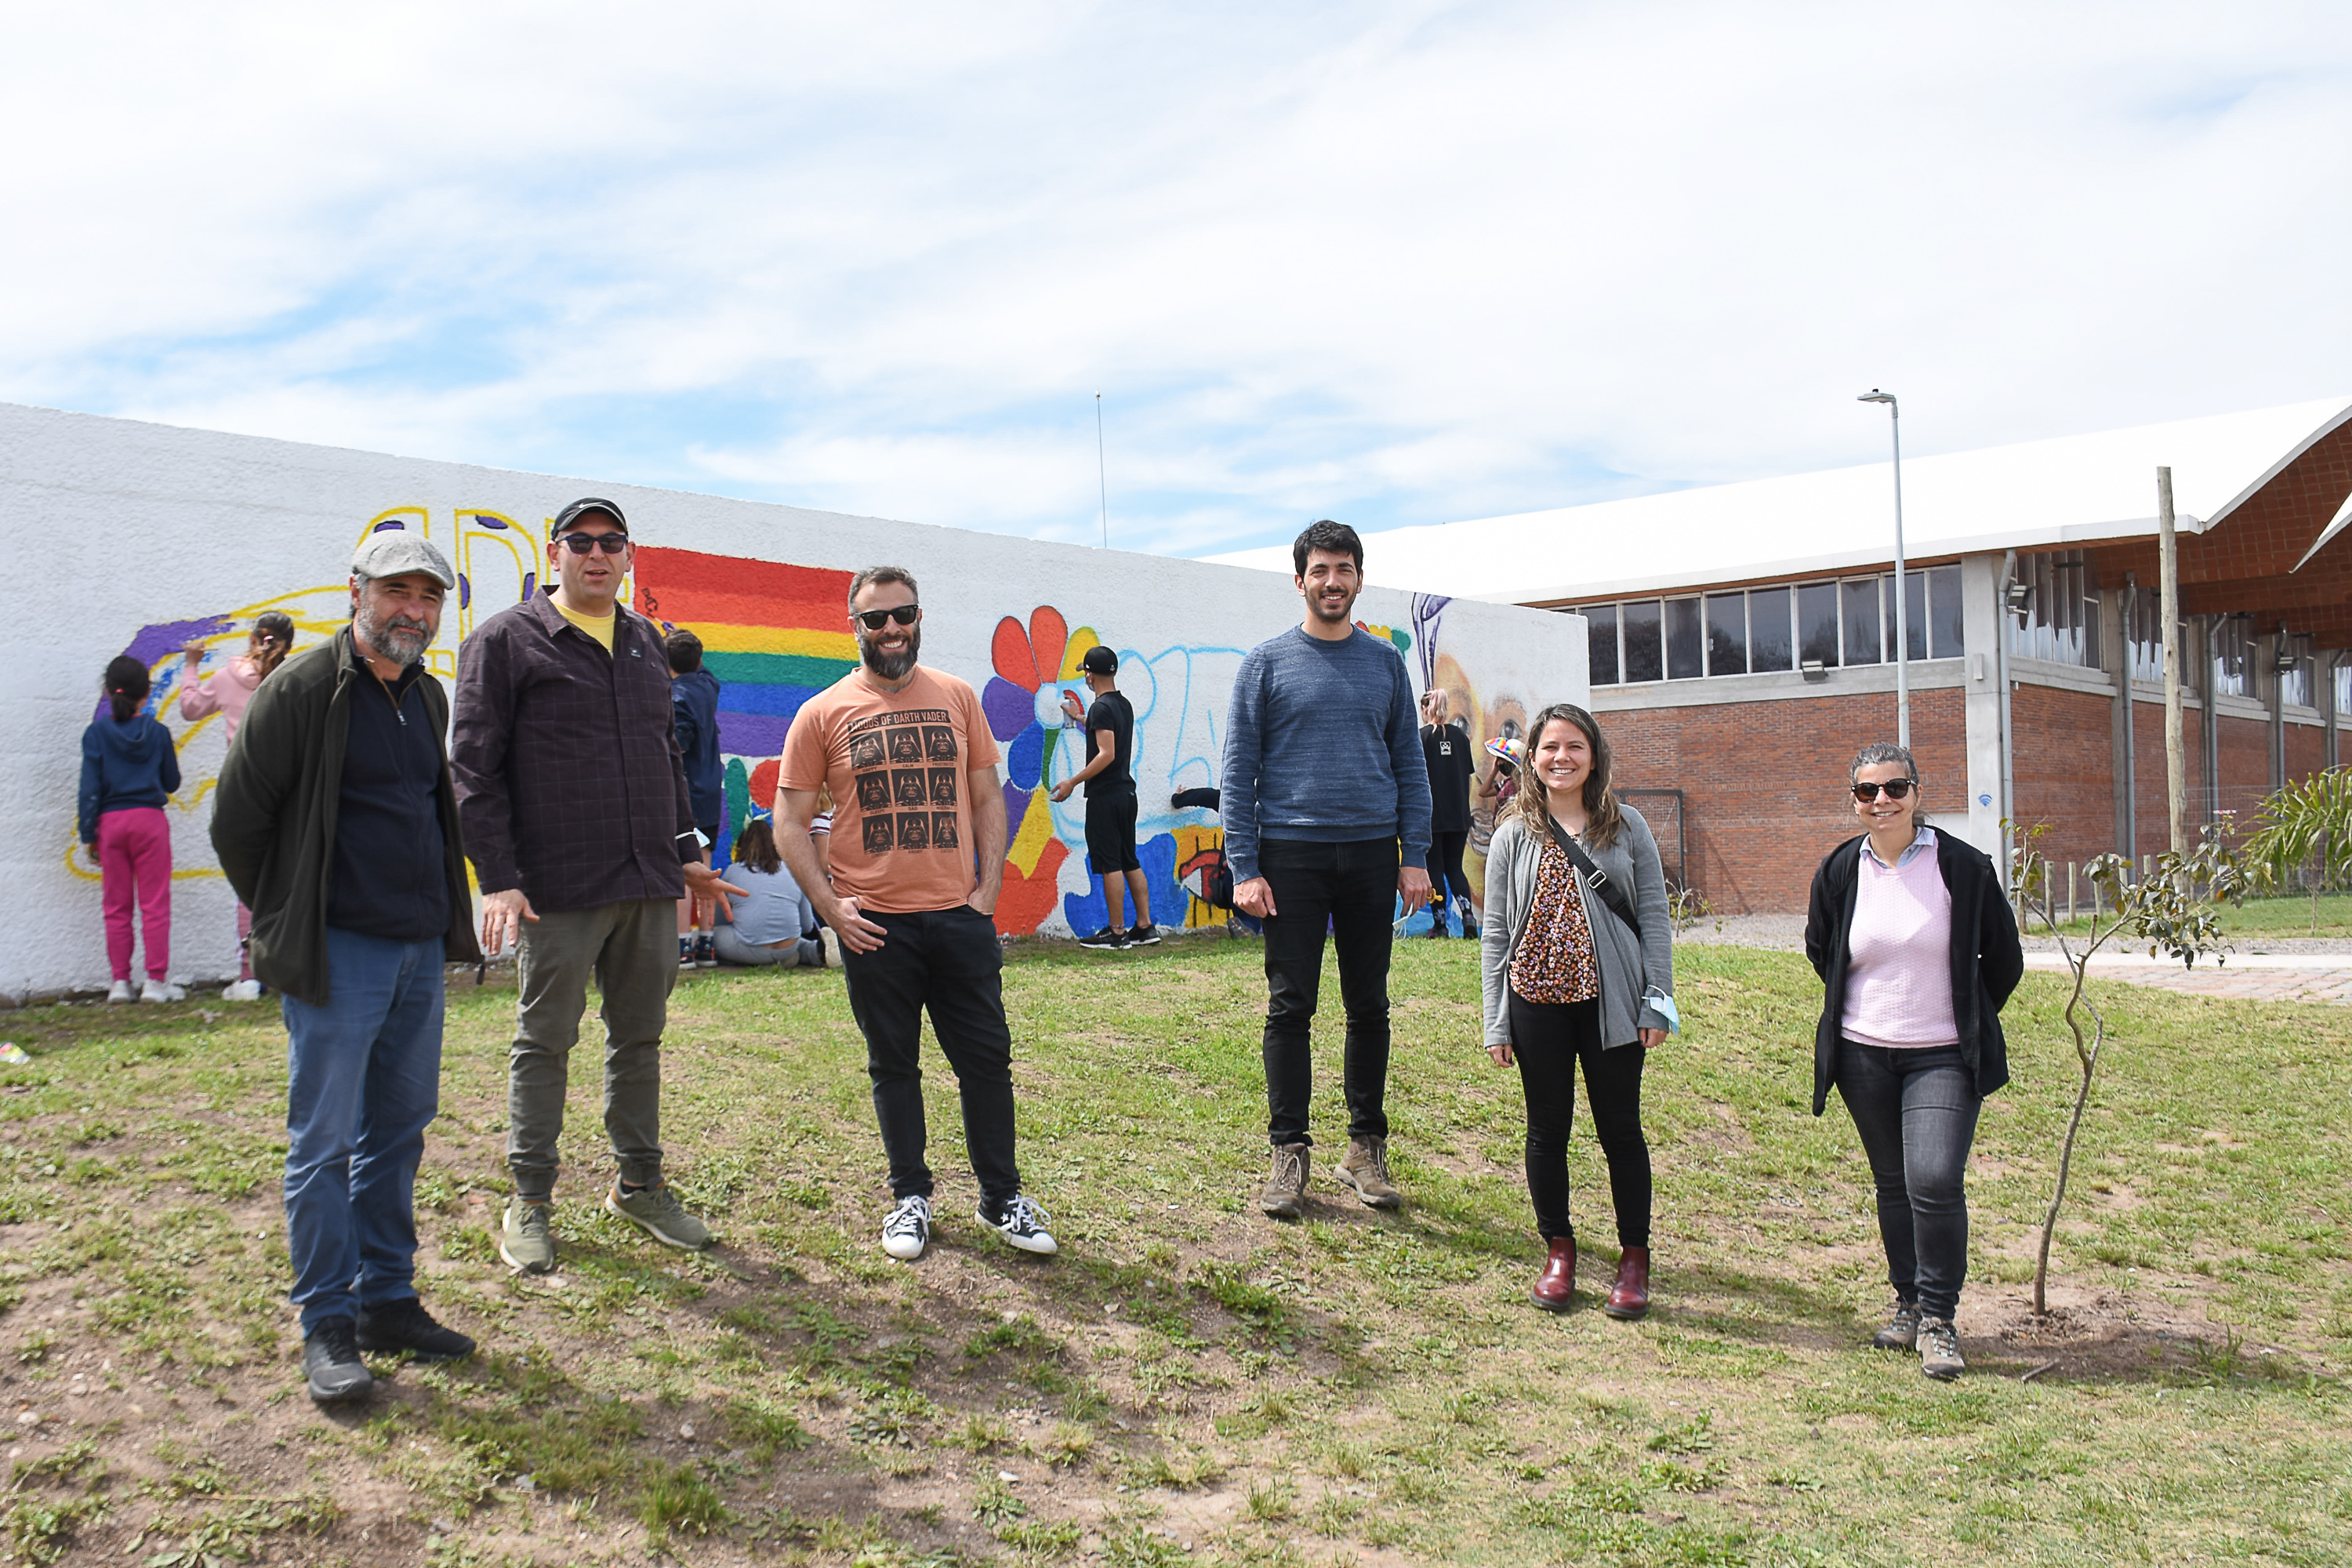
(134,860)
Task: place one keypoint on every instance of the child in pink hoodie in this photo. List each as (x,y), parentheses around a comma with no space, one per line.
(225,692)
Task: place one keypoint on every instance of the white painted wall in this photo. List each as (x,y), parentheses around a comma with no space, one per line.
(112,528)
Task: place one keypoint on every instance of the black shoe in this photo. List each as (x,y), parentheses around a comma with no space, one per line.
(332,1364)
(405,1325)
(1143,936)
(1105,938)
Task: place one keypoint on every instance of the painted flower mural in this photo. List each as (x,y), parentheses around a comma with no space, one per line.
(1022,701)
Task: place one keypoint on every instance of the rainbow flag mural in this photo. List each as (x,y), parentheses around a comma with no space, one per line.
(774,634)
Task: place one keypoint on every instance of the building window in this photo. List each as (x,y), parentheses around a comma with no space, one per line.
(1858,599)
(2146,641)
(1770,643)
(2294,671)
(2234,657)
(1601,622)
(1646,657)
(1684,643)
(2062,620)
(2343,687)
(1726,633)
(1764,630)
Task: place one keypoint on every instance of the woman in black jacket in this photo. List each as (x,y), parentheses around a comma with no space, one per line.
(1910,931)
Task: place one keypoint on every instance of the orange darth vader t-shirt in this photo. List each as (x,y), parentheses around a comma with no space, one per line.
(899,765)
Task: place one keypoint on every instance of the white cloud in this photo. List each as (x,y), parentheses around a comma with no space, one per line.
(1396,263)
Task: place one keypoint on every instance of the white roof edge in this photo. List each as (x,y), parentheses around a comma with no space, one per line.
(2300,448)
(1849,560)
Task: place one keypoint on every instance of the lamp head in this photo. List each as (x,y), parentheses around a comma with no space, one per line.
(1875,396)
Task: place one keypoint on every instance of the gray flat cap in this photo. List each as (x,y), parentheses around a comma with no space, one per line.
(395,553)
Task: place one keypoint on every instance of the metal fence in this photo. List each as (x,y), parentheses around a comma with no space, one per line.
(1669,821)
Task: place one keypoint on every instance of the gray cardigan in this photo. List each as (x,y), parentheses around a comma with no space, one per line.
(1630,970)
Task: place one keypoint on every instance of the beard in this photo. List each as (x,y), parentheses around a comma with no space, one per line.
(890,665)
(402,644)
(1315,607)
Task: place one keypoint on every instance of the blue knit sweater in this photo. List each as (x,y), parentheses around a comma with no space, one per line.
(1322,743)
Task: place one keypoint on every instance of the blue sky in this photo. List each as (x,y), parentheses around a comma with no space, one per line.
(1391,263)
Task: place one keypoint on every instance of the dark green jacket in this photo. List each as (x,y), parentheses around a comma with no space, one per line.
(273,815)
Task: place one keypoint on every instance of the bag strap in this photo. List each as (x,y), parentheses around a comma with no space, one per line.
(1611,893)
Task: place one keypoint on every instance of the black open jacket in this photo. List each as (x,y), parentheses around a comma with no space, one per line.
(1987,961)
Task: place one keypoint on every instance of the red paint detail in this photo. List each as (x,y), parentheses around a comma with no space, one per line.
(763,784)
(1049,635)
(737,590)
(1027,901)
(1008,652)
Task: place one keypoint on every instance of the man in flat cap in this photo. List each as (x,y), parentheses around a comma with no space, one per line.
(336,821)
(583,837)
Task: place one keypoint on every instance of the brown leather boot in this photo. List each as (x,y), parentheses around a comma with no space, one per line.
(1630,1296)
(1557,1283)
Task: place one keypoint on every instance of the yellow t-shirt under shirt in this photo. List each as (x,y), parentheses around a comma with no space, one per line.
(597,626)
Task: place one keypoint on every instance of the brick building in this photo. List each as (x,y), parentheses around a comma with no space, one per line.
(1742,636)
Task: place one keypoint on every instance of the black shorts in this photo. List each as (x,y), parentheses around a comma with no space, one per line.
(1110,833)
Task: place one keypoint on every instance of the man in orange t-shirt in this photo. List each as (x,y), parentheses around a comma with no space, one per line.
(918,853)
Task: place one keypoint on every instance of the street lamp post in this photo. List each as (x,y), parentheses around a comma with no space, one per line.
(1902,584)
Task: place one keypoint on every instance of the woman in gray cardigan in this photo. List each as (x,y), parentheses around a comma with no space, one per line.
(1567,980)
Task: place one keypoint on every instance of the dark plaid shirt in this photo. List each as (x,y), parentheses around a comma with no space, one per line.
(569,782)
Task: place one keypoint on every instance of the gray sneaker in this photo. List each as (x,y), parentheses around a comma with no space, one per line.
(1284,1197)
(656,1211)
(524,1240)
(1366,1169)
(1939,1350)
(1902,1329)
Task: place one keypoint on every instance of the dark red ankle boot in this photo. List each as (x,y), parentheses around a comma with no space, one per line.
(1630,1296)
(1557,1283)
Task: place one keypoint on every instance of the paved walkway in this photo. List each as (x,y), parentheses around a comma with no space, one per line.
(2262,977)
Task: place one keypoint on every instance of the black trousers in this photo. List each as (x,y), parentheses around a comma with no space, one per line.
(949,961)
(1917,1112)
(1446,877)
(1349,890)
(1550,1038)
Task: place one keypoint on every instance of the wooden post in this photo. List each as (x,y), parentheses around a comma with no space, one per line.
(2176,765)
(2071,865)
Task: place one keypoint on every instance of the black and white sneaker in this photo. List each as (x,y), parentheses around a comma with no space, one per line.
(1110,939)
(1143,936)
(909,1229)
(1023,1224)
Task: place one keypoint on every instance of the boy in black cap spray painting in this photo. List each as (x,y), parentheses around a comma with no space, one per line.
(1110,777)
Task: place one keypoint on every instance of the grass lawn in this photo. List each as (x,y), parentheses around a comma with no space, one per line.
(1190,1382)
(2290,916)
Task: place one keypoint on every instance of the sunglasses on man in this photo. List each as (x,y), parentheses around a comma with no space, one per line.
(582,543)
(874,620)
(1896,789)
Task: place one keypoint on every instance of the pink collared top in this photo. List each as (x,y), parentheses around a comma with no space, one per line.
(1898,978)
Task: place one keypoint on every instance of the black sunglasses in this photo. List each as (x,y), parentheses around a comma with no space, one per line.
(1896,789)
(874,620)
(582,543)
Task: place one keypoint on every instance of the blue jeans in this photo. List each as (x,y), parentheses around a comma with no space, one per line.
(1917,1112)
(363,1080)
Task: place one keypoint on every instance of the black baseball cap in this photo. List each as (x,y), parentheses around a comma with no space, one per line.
(1099,661)
(581,508)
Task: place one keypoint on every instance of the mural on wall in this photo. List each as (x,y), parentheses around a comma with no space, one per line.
(773,635)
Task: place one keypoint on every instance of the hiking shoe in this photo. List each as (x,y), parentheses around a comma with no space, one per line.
(1284,1197)
(656,1211)
(1022,1223)
(242,991)
(828,944)
(330,1362)
(686,952)
(1902,1329)
(706,951)
(1107,938)
(1939,1350)
(121,991)
(524,1240)
(1143,936)
(162,991)
(909,1229)
(405,1325)
(1366,1169)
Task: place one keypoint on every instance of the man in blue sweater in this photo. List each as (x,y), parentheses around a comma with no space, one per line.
(1326,824)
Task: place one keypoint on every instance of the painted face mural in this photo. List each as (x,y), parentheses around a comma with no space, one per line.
(773,635)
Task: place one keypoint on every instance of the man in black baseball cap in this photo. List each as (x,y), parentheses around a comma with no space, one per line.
(1109,778)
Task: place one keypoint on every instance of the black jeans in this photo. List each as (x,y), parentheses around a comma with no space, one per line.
(1446,875)
(1917,1112)
(1549,1039)
(948,961)
(1351,890)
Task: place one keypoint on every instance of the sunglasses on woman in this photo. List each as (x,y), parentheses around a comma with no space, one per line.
(1896,789)
(874,620)
(582,543)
